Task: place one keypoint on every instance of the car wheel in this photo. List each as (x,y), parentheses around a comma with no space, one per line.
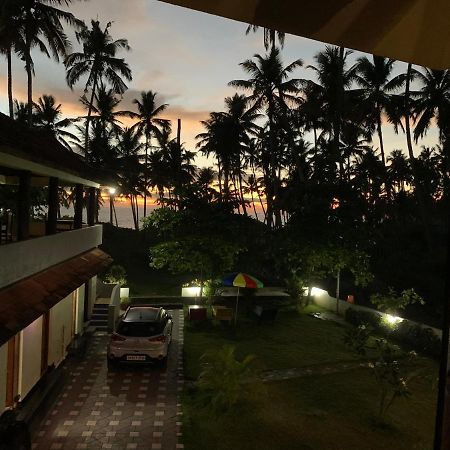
(111,363)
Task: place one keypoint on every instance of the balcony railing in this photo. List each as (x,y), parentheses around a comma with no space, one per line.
(22,259)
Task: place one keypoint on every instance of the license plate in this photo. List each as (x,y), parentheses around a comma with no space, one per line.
(135,358)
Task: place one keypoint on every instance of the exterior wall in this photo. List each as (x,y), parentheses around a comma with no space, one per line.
(79,311)
(3,364)
(30,357)
(92,293)
(25,258)
(114,308)
(60,336)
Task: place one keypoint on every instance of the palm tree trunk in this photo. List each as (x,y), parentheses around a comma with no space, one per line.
(219,177)
(10,93)
(338,116)
(380,138)
(133,212)
(145,173)
(418,187)
(253,203)
(241,191)
(88,118)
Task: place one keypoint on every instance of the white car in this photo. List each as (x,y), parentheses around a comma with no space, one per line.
(143,334)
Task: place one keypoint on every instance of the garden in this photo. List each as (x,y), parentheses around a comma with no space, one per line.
(241,394)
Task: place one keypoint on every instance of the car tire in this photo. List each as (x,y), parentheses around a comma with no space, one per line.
(111,363)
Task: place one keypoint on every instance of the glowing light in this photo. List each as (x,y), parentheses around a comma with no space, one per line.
(318,291)
(193,291)
(112,190)
(393,320)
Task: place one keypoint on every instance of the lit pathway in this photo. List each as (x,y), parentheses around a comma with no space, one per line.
(131,407)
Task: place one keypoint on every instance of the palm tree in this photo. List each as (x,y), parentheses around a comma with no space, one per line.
(11,40)
(270,36)
(148,125)
(374,78)
(129,169)
(99,62)
(48,116)
(334,88)
(272,90)
(103,108)
(399,170)
(41,24)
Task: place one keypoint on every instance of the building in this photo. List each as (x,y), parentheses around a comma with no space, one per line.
(48,266)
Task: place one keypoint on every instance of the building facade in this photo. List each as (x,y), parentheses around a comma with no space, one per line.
(48,266)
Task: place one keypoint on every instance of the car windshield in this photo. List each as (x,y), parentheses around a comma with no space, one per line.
(142,314)
(140,329)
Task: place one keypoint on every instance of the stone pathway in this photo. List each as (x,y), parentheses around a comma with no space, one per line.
(131,407)
(322,369)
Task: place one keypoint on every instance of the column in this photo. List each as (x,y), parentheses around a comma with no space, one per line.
(53,201)
(78,216)
(23,206)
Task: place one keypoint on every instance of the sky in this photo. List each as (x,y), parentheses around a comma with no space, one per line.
(187,57)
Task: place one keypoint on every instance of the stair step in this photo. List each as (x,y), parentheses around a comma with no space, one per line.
(101,307)
(97,314)
(96,323)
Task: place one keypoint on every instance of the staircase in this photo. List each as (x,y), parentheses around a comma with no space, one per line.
(99,317)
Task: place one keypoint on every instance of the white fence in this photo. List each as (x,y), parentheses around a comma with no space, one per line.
(322,299)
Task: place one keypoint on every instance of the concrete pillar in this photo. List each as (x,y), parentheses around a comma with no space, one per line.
(92,206)
(53,201)
(78,216)
(24,206)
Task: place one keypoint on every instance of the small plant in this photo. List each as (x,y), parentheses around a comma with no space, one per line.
(391,376)
(356,338)
(116,275)
(225,381)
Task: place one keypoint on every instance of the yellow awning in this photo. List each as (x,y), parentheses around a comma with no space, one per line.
(416,31)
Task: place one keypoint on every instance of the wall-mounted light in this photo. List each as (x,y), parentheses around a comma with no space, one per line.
(112,190)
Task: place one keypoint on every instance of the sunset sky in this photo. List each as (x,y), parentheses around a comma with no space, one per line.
(186,56)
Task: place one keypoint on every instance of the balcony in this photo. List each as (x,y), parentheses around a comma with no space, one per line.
(22,259)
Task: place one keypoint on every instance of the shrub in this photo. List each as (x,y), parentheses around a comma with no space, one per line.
(225,381)
(390,375)
(421,339)
(356,338)
(117,275)
(371,319)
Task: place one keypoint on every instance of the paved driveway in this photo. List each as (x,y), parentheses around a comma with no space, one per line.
(131,407)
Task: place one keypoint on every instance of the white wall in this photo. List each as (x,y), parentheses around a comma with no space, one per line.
(60,330)
(30,357)
(3,367)
(25,258)
(80,310)
(92,294)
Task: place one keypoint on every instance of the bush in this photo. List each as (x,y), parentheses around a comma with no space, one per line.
(419,338)
(367,318)
(356,338)
(225,381)
(116,275)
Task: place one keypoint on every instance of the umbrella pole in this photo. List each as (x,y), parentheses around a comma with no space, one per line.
(237,302)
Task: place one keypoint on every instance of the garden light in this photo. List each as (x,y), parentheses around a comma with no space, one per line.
(393,320)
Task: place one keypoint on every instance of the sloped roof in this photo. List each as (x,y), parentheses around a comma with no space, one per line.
(415,31)
(23,302)
(40,147)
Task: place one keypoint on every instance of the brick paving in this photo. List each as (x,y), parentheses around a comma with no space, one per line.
(129,407)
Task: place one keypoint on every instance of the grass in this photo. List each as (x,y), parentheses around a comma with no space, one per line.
(332,412)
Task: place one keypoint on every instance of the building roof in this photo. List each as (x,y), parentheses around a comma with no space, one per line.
(41,153)
(25,301)
(415,31)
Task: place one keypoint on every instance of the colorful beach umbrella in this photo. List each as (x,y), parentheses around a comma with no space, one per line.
(241,280)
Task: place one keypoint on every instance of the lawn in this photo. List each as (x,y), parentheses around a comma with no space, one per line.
(335,411)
